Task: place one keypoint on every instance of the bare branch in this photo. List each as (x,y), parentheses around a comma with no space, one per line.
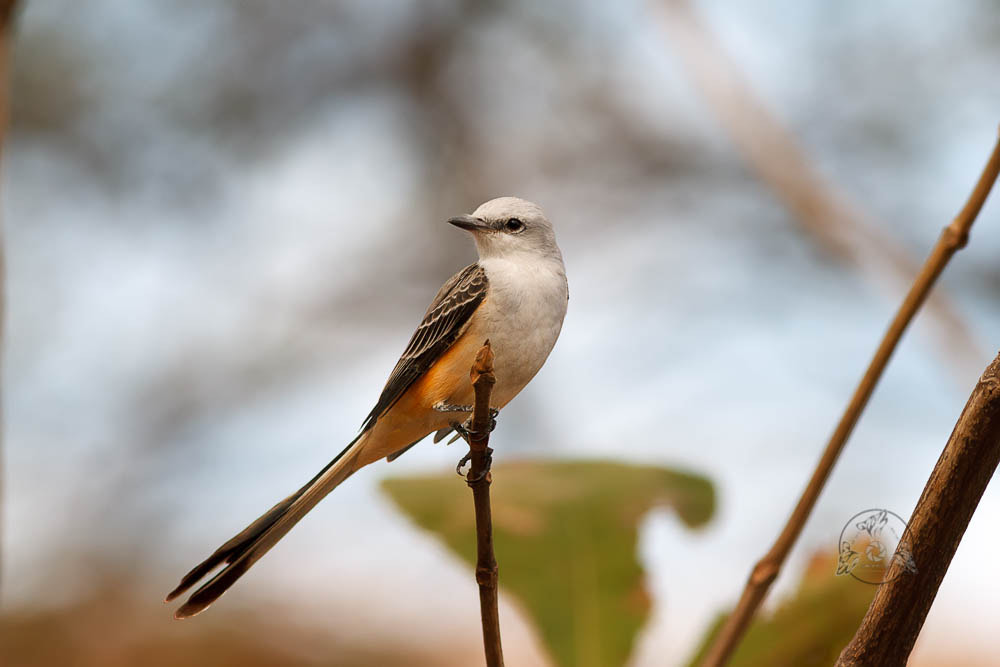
(7,8)
(823,212)
(953,238)
(952,493)
(479,479)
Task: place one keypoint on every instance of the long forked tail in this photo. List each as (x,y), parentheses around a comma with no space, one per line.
(247,547)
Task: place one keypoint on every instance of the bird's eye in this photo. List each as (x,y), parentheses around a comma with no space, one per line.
(514,226)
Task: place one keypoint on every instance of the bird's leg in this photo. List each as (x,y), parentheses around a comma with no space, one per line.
(448,407)
(462,429)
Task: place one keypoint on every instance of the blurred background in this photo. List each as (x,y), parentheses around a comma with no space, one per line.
(224,219)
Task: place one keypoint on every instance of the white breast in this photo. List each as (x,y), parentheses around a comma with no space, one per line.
(522,317)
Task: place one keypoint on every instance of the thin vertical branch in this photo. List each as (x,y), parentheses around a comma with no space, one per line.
(479,479)
(953,491)
(953,238)
(7,9)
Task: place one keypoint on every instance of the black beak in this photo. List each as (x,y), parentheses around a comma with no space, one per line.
(469,223)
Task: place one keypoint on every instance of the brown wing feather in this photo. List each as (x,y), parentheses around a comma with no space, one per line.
(443,323)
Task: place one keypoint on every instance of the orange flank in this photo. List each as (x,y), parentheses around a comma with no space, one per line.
(413,416)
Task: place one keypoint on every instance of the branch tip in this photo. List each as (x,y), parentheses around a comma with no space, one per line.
(482,369)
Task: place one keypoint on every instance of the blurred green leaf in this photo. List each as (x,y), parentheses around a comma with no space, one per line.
(810,628)
(565,535)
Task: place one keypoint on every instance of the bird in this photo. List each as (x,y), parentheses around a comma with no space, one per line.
(516,296)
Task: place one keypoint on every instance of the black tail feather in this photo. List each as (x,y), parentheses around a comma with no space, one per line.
(234,547)
(241,551)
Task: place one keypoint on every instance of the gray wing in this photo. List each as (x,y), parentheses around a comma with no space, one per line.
(445,320)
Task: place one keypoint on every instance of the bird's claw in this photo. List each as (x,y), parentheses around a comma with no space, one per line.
(485,471)
(462,462)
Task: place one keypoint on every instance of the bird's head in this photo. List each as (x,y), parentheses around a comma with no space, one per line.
(509,226)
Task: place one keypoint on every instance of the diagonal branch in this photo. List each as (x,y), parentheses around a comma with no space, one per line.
(821,210)
(953,238)
(952,493)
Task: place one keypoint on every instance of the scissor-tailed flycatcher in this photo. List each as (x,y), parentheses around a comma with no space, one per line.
(515,296)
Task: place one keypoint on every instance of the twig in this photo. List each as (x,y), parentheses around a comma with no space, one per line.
(952,493)
(825,213)
(953,238)
(479,479)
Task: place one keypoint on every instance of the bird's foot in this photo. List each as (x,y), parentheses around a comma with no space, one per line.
(465,430)
(482,474)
